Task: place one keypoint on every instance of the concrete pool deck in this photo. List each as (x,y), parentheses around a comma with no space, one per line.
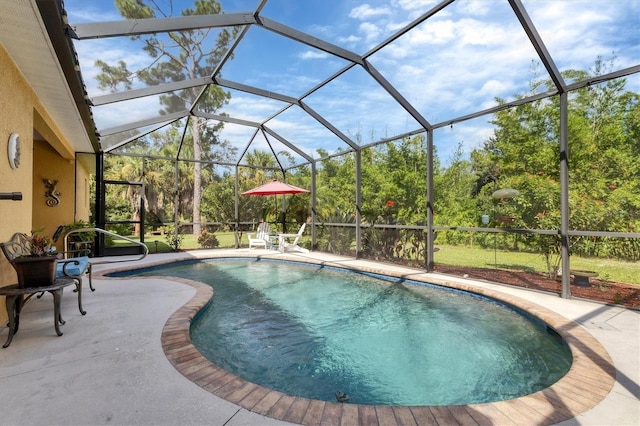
(118,364)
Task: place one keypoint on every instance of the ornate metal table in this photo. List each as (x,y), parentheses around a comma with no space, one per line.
(14,302)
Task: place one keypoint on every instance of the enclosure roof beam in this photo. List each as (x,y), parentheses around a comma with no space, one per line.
(305,38)
(287,143)
(328,80)
(290,100)
(228,54)
(571,87)
(149,91)
(255,91)
(497,108)
(225,119)
(132,138)
(409,27)
(394,138)
(246,148)
(168,118)
(134,27)
(266,138)
(306,108)
(523,101)
(373,72)
(538,44)
(604,77)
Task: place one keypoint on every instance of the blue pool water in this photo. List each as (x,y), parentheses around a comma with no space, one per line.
(312,332)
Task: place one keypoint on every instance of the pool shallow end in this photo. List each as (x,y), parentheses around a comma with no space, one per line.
(589,380)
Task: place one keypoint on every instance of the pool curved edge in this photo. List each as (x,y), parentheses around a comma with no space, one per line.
(589,380)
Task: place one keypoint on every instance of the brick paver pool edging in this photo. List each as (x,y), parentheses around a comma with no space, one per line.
(589,380)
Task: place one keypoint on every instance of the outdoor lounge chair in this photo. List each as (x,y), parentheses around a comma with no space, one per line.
(75,263)
(261,238)
(75,267)
(284,245)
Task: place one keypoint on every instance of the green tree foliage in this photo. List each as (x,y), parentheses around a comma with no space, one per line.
(184,55)
(522,153)
(604,174)
(400,181)
(392,173)
(454,206)
(335,186)
(123,201)
(218,197)
(261,167)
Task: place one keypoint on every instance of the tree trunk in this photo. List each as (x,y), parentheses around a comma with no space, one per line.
(197,176)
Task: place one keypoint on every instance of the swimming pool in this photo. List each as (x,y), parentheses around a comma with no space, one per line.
(413,332)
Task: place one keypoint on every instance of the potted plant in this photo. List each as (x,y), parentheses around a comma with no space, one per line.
(79,243)
(36,267)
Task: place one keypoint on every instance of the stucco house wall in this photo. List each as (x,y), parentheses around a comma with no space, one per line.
(50,156)
(52,167)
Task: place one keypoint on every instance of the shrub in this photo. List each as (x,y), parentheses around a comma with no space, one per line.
(174,240)
(208,240)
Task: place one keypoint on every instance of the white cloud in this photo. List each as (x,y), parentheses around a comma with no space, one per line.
(313,54)
(305,132)
(80,12)
(251,107)
(454,64)
(237,135)
(367,12)
(594,29)
(476,7)
(491,87)
(112,115)
(472,31)
(413,4)
(349,40)
(417,8)
(110,51)
(436,32)
(369,30)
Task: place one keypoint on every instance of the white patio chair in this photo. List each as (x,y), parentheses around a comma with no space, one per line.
(284,245)
(261,236)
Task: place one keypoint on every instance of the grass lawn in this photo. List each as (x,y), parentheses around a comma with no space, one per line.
(607,269)
(190,242)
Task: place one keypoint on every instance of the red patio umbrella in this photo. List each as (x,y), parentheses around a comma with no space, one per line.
(275,188)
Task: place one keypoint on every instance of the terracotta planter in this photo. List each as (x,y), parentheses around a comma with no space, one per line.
(35,271)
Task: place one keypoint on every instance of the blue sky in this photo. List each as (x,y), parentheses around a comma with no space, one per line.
(456,63)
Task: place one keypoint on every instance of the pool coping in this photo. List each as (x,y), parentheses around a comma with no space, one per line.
(589,380)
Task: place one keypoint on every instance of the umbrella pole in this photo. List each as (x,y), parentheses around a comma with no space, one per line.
(275,209)
(284,220)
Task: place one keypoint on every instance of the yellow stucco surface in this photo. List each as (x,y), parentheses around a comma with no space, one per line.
(51,157)
(16,116)
(52,167)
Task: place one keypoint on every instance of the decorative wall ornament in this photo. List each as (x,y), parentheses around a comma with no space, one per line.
(52,194)
(13,150)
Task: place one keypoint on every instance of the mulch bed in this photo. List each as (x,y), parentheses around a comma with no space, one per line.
(599,290)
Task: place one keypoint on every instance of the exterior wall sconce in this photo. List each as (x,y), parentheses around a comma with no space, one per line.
(52,194)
